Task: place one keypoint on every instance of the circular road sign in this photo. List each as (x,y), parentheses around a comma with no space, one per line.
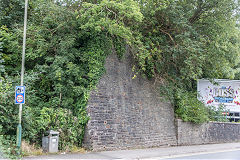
(20,98)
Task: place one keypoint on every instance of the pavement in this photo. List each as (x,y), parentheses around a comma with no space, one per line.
(150,153)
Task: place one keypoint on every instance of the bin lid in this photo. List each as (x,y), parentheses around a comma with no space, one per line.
(52,132)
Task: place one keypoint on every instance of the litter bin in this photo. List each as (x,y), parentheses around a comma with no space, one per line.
(50,142)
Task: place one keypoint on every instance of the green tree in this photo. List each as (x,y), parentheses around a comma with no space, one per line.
(65,56)
(11,12)
(189,40)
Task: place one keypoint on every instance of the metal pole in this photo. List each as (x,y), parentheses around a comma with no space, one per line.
(19,128)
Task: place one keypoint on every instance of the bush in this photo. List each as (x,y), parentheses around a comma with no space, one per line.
(1,143)
(8,110)
(71,127)
(216,113)
(189,108)
(36,121)
(8,147)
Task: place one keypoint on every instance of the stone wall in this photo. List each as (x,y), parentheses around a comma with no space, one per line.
(126,112)
(212,132)
(129,113)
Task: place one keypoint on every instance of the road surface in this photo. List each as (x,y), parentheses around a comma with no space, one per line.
(229,155)
(216,151)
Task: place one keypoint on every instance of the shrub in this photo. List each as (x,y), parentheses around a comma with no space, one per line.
(8,148)
(216,113)
(71,127)
(189,108)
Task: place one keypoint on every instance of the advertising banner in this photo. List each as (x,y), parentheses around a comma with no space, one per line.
(225,92)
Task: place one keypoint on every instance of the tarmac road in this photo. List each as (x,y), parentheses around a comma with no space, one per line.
(228,155)
(177,152)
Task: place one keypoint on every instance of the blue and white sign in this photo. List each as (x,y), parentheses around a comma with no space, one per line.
(20,95)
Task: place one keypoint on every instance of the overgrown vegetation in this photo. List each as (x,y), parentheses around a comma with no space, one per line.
(7,148)
(218,114)
(65,56)
(188,108)
(172,41)
(188,40)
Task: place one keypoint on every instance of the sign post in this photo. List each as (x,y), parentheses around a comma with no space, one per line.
(20,95)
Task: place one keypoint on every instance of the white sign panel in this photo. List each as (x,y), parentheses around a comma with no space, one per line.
(225,92)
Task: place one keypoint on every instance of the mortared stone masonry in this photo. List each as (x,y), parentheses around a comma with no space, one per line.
(129,113)
(126,112)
